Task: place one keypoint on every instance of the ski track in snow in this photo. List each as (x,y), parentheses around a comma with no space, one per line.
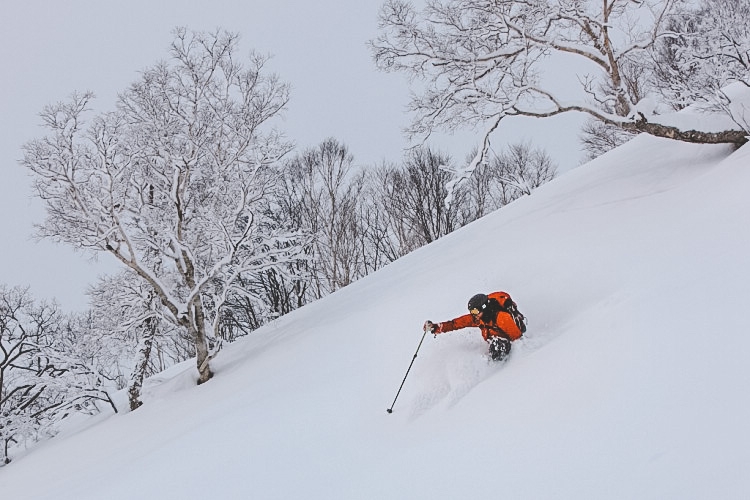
(460,362)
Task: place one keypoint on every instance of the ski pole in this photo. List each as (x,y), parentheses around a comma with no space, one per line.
(390,410)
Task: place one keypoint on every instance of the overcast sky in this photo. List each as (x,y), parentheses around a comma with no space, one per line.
(51,48)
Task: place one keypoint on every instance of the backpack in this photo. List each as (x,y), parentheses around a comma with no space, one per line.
(507,305)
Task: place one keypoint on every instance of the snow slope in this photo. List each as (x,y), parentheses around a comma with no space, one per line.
(631,382)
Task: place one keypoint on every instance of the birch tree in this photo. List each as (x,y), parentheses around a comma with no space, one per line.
(174,182)
(481,61)
(126,316)
(703,59)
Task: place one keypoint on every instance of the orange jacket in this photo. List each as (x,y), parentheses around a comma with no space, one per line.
(501,325)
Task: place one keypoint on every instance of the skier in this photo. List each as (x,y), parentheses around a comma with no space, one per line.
(495,315)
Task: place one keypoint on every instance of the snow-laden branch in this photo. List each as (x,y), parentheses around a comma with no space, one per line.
(479,62)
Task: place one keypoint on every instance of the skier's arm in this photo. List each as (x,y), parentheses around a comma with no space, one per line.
(464,321)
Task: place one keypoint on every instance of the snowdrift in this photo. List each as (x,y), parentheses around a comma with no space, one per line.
(631,381)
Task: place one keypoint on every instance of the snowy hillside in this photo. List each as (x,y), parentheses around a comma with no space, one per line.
(631,382)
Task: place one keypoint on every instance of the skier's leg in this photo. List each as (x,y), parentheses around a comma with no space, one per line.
(499,348)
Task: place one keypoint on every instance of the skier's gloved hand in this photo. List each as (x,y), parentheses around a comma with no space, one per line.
(429,326)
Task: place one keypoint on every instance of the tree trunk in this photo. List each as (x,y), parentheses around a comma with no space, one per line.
(6,458)
(143,353)
(198,330)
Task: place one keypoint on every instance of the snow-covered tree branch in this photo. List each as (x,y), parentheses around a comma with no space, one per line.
(482,61)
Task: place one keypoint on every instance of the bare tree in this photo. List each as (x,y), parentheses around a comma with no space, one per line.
(384,237)
(389,231)
(43,377)
(710,50)
(327,202)
(125,315)
(419,188)
(408,209)
(173,183)
(520,169)
(599,137)
(514,172)
(481,62)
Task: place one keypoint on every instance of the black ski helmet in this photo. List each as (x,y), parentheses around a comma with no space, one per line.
(478,301)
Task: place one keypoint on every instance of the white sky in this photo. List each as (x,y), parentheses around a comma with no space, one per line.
(50,48)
